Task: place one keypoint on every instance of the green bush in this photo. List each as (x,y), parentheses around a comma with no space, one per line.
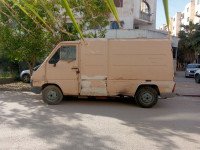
(8,75)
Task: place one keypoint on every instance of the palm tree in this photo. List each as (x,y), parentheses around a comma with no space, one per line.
(27,6)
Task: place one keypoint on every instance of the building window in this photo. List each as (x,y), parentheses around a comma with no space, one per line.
(188,19)
(173,28)
(174,19)
(197,14)
(198,2)
(188,9)
(145,7)
(182,16)
(115,25)
(136,27)
(118,3)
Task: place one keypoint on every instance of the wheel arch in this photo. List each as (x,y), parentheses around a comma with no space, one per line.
(25,74)
(196,74)
(148,85)
(47,84)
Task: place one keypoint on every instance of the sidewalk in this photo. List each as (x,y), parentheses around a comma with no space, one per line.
(186,86)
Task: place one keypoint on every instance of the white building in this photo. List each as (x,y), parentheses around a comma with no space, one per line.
(163,27)
(197,12)
(135,14)
(188,13)
(176,24)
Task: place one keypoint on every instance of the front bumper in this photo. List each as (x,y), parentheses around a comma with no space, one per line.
(189,73)
(35,89)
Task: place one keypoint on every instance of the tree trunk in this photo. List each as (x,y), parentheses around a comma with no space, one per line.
(31,67)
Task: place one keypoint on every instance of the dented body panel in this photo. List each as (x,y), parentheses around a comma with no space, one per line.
(110,67)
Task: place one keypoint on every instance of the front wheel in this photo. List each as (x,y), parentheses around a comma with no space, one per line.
(52,95)
(26,78)
(197,78)
(146,97)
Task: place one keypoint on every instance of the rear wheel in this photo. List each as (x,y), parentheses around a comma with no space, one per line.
(197,78)
(52,95)
(26,78)
(146,97)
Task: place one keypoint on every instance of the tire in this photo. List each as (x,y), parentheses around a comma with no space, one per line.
(52,95)
(26,78)
(146,97)
(197,78)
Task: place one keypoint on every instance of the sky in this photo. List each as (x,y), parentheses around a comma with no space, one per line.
(174,6)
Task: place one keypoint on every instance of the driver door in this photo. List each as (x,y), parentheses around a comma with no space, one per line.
(62,69)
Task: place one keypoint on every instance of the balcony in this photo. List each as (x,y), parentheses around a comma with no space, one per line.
(145,16)
(143,19)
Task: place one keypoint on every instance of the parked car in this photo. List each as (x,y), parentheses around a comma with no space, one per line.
(191,69)
(25,74)
(197,76)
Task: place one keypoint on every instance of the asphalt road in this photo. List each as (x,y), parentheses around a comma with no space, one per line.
(27,123)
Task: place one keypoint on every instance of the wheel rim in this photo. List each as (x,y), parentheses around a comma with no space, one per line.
(26,78)
(52,95)
(147,98)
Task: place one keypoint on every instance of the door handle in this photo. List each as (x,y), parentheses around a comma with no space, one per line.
(75,68)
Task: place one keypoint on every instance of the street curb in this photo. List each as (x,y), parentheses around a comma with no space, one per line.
(192,95)
(187,95)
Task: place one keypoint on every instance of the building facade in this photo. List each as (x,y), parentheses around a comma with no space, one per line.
(197,12)
(191,13)
(135,14)
(188,14)
(163,27)
(176,24)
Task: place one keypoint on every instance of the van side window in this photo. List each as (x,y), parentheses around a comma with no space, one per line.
(68,53)
(55,58)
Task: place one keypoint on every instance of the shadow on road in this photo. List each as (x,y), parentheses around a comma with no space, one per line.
(26,110)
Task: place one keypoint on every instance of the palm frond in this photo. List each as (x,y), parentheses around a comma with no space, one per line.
(112,7)
(65,4)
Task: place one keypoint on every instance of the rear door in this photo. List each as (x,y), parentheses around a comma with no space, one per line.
(62,69)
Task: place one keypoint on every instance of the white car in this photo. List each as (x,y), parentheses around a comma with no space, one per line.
(191,69)
(197,76)
(25,74)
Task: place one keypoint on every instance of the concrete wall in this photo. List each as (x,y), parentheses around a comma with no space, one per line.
(138,34)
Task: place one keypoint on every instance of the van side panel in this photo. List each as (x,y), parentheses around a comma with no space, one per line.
(93,80)
(136,62)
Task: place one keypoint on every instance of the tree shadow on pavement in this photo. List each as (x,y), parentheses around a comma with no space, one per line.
(64,124)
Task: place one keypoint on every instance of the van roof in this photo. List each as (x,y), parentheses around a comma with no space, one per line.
(115,39)
(70,42)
